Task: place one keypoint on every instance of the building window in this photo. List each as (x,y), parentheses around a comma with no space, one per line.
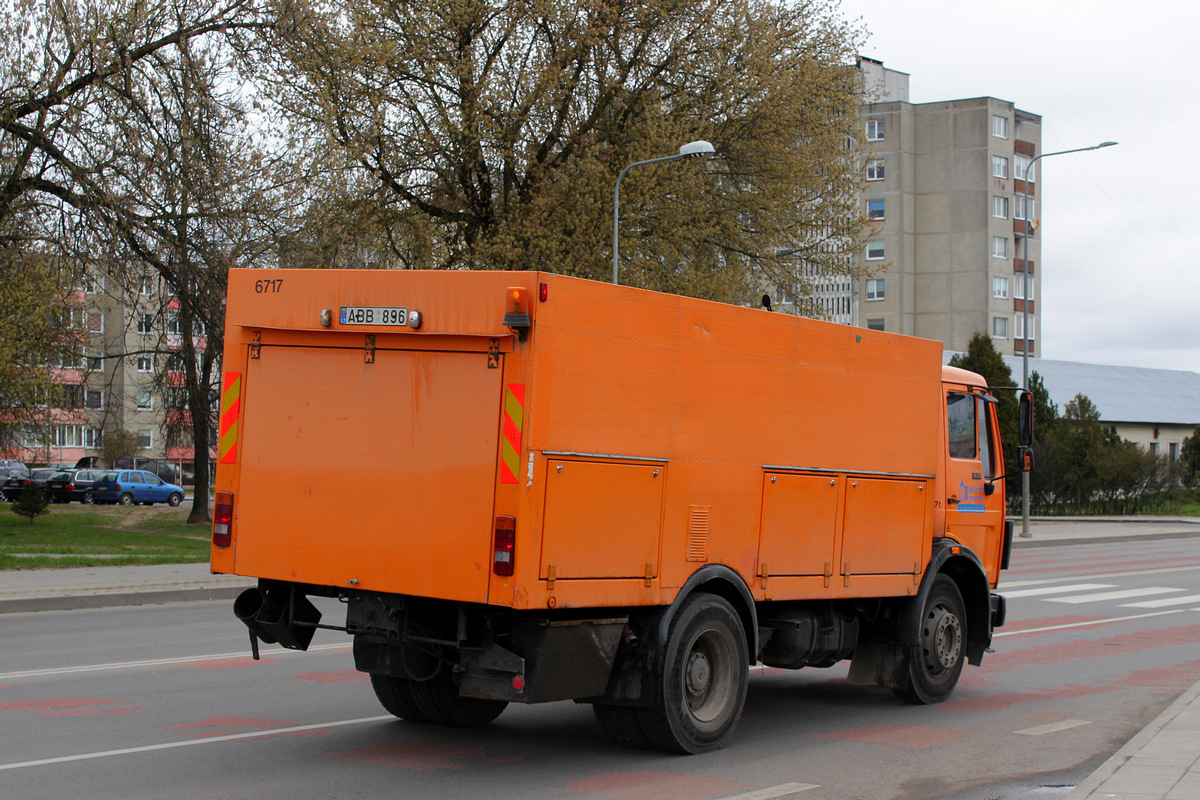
(1023,165)
(93,438)
(875,250)
(145,363)
(1154,448)
(94,401)
(999,327)
(875,324)
(95,362)
(1000,287)
(999,207)
(145,400)
(1020,282)
(145,438)
(1019,326)
(146,286)
(1019,206)
(145,323)
(999,167)
(875,289)
(875,169)
(999,247)
(875,209)
(92,285)
(999,126)
(1173,453)
(875,130)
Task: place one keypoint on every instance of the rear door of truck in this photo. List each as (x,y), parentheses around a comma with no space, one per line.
(369,468)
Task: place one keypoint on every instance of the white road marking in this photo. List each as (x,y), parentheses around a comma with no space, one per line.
(1053,727)
(1075,587)
(158,662)
(775,791)
(1085,624)
(1100,597)
(1164,602)
(233,737)
(1099,576)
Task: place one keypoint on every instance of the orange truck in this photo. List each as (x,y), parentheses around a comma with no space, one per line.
(526,487)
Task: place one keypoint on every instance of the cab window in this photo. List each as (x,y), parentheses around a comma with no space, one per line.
(987,449)
(960,424)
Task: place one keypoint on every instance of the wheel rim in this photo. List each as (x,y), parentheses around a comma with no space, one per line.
(941,640)
(708,676)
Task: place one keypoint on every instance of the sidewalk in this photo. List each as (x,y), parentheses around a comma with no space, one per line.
(1162,762)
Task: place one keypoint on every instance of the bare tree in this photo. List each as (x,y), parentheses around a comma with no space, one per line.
(494,132)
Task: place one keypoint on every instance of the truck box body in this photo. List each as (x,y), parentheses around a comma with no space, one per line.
(657,433)
(548,445)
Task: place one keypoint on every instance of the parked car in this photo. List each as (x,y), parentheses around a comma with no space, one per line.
(16,484)
(10,472)
(72,484)
(130,486)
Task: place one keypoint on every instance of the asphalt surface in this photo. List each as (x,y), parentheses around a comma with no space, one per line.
(1162,762)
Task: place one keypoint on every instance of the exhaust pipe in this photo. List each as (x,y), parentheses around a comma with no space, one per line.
(277,616)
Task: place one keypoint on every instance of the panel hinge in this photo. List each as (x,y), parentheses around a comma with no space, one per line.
(551,571)
(916,573)
(649,574)
(828,573)
(846,574)
(256,345)
(763,573)
(369,349)
(493,354)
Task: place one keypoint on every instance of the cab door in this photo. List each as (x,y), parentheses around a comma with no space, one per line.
(974,502)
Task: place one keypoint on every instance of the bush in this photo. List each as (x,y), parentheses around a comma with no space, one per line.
(32,503)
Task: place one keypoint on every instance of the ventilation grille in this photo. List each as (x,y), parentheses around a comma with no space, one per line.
(698,533)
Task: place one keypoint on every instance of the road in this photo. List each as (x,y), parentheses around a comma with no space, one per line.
(164,702)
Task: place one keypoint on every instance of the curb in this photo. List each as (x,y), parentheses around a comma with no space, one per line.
(1018,542)
(112,599)
(1130,750)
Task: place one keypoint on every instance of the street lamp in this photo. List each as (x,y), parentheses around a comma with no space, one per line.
(1029,228)
(689,150)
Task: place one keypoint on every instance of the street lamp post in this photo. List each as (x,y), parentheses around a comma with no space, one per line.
(1029,228)
(689,150)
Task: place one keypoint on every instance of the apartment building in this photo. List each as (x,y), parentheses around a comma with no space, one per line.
(119,378)
(946,184)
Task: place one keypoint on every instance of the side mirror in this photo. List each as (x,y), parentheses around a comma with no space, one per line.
(1025,419)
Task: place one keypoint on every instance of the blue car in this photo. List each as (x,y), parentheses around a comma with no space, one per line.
(130,486)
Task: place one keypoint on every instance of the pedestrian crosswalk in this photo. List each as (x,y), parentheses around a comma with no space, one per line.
(1082,593)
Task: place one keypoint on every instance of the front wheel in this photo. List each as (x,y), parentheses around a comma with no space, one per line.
(88,499)
(703,685)
(936,662)
(175,499)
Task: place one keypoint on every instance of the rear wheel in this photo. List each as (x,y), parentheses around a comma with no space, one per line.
(438,699)
(622,725)
(703,686)
(936,662)
(126,499)
(396,695)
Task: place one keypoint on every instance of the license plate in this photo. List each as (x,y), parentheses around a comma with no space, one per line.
(374,315)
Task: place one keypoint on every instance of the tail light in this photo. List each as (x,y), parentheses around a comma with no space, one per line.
(69,486)
(504,547)
(222,534)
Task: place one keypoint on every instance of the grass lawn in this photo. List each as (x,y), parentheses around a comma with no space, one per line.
(76,535)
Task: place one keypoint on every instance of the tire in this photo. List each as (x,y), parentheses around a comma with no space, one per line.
(622,725)
(88,499)
(702,689)
(936,662)
(175,499)
(438,700)
(396,696)
(126,499)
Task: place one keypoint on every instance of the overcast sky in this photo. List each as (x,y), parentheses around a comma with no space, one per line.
(1120,265)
